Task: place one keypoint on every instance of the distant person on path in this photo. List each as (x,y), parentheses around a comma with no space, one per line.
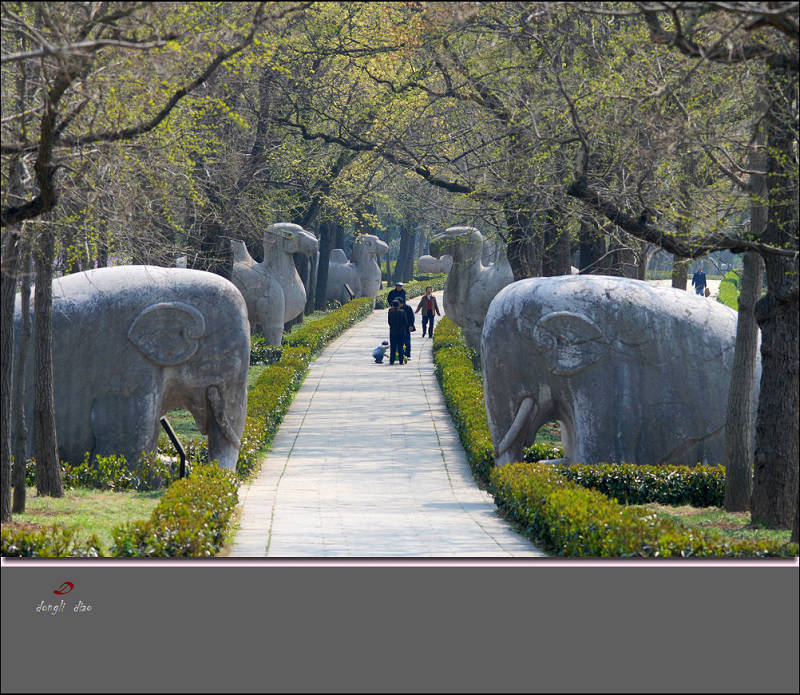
(398,327)
(380,351)
(428,305)
(410,318)
(699,281)
(397,293)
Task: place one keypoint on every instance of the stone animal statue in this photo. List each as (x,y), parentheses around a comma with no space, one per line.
(430,264)
(470,285)
(362,272)
(272,289)
(634,373)
(131,343)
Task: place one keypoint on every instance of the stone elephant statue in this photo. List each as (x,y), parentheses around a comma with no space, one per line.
(430,264)
(272,289)
(470,285)
(634,373)
(362,272)
(131,343)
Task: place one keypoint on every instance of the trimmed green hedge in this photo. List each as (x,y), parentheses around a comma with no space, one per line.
(542,451)
(463,393)
(729,288)
(55,541)
(568,519)
(700,486)
(189,521)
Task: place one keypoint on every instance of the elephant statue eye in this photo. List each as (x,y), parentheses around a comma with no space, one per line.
(570,342)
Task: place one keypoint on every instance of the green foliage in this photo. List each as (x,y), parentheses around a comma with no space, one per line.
(55,541)
(261,352)
(729,288)
(568,519)
(700,486)
(463,394)
(190,520)
(542,451)
(113,473)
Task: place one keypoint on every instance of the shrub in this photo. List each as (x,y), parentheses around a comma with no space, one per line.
(542,451)
(463,393)
(568,519)
(55,541)
(189,521)
(701,486)
(261,352)
(729,288)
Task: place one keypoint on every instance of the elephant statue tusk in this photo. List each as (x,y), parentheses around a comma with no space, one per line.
(526,408)
(218,410)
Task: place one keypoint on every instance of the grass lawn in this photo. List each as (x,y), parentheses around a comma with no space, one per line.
(87,511)
(733,525)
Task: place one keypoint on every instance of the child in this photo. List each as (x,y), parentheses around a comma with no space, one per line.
(380,351)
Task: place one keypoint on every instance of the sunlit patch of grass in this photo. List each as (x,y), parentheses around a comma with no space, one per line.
(733,525)
(89,511)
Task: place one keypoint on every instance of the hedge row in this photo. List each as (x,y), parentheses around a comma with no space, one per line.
(192,517)
(700,486)
(463,393)
(189,521)
(413,289)
(568,519)
(55,541)
(729,288)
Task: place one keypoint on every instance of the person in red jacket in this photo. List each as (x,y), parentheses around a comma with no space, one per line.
(428,305)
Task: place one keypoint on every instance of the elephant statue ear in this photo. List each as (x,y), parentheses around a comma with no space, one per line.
(167,333)
(570,342)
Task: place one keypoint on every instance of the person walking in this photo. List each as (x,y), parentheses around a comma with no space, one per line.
(411,328)
(398,327)
(428,305)
(699,281)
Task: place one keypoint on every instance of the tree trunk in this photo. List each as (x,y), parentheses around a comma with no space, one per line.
(740,418)
(325,241)
(592,247)
(311,287)
(48,470)
(555,255)
(775,475)
(408,268)
(403,253)
(8,283)
(20,428)
(680,272)
(523,250)
(340,238)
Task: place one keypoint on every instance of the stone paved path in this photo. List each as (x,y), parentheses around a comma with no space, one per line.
(367,463)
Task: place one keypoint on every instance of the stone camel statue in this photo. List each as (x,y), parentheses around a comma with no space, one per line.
(470,285)
(272,289)
(362,272)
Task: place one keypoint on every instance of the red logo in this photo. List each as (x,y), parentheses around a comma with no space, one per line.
(65,588)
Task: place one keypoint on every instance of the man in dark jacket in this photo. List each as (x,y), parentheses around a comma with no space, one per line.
(699,281)
(397,293)
(398,327)
(410,318)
